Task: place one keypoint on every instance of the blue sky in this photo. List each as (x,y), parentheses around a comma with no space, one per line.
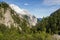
(39,8)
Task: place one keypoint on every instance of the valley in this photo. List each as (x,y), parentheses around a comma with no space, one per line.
(19,24)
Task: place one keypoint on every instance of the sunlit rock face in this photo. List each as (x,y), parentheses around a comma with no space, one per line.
(13,16)
(24,14)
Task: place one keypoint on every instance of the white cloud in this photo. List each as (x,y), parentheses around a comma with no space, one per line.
(26,4)
(51,2)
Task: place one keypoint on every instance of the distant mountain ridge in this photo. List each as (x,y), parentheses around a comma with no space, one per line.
(39,19)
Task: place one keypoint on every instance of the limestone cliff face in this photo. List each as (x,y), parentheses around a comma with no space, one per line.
(6,17)
(10,17)
(24,14)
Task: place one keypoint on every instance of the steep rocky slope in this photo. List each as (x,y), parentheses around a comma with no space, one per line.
(13,15)
(24,14)
(10,18)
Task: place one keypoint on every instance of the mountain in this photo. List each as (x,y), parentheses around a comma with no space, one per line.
(13,15)
(55,21)
(39,19)
(9,17)
(24,14)
(17,9)
(50,24)
(15,24)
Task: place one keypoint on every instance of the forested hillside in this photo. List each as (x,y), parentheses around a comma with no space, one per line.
(50,24)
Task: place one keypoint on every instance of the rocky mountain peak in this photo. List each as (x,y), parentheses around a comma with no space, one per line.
(22,12)
(13,15)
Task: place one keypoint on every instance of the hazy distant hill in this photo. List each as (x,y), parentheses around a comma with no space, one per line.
(39,19)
